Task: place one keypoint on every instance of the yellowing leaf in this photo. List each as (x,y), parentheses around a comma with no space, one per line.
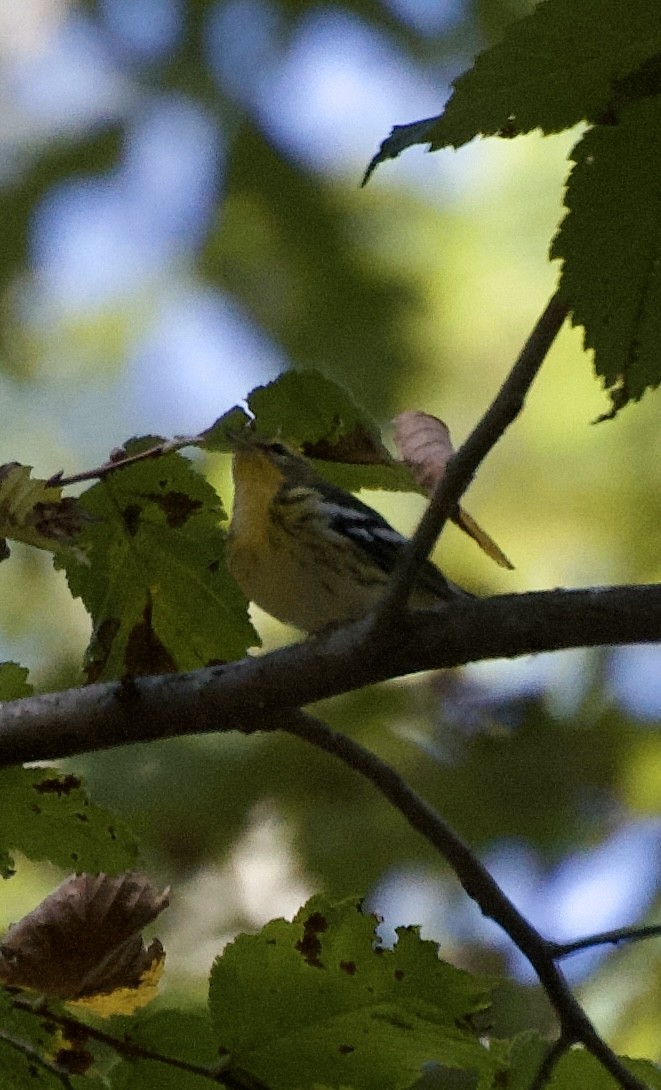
(486,543)
(131,998)
(84,940)
(34,512)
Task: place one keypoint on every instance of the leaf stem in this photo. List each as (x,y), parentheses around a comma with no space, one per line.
(233,1079)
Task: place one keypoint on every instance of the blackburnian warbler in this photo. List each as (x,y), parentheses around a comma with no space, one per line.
(307,552)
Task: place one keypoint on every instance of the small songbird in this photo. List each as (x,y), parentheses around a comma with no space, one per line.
(307,552)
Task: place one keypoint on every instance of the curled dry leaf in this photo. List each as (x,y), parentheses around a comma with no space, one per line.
(424,444)
(84,939)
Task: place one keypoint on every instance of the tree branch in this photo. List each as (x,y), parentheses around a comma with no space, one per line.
(166,446)
(575,1025)
(604,938)
(232,1079)
(461,469)
(549,1063)
(249,694)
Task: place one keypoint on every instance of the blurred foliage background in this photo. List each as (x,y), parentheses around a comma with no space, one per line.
(181,219)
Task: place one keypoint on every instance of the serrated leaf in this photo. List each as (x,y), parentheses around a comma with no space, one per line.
(317,1000)
(565,62)
(45,814)
(305,406)
(154,579)
(610,243)
(321,418)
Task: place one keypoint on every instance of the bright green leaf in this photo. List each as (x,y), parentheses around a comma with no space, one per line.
(610,243)
(305,406)
(154,577)
(318,1000)
(45,814)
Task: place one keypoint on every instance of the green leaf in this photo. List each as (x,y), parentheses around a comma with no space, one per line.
(305,406)
(518,1060)
(558,66)
(317,1000)
(154,577)
(579,1068)
(19,1069)
(218,436)
(610,243)
(182,1035)
(14,681)
(321,417)
(45,814)
(565,62)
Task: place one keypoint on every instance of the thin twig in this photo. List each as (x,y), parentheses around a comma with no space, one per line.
(34,1056)
(461,468)
(548,1064)
(129,1050)
(167,446)
(604,938)
(575,1025)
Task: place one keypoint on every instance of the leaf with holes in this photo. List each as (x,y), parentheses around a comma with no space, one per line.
(154,578)
(319,995)
(46,814)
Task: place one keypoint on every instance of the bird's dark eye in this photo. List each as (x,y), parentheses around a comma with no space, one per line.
(279,449)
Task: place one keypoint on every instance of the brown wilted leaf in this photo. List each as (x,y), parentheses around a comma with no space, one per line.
(84,939)
(424,444)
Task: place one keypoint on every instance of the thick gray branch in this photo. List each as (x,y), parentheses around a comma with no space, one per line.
(248,695)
